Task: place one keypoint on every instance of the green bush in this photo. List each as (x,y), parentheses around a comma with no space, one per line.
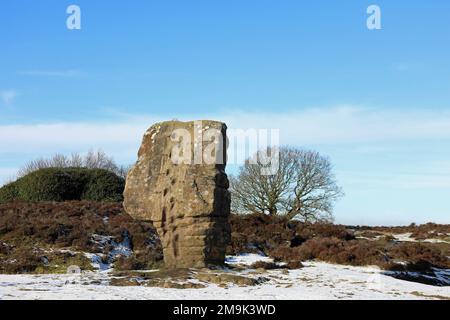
(103,185)
(64,184)
(9,192)
(53,185)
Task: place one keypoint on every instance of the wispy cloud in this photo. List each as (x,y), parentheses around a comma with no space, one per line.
(53,73)
(396,180)
(330,126)
(337,125)
(7,96)
(349,124)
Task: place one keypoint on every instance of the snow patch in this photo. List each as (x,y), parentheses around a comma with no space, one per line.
(246,259)
(102,263)
(406,237)
(317,280)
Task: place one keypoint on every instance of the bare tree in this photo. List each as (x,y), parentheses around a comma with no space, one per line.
(99,159)
(76,160)
(253,191)
(94,159)
(303,187)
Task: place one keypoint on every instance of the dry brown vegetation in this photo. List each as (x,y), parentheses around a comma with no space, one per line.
(292,241)
(419,232)
(263,233)
(33,234)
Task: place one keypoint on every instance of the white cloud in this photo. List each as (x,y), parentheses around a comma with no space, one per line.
(342,125)
(331,126)
(396,180)
(119,139)
(7,96)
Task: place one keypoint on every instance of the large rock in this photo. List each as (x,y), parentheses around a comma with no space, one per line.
(188,202)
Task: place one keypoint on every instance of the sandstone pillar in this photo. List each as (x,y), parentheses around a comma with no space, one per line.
(179,183)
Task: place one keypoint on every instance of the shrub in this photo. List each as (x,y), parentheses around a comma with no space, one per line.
(294,264)
(418,232)
(9,192)
(418,254)
(284,253)
(103,185)
(258,233)
(26,226)
(52,185)
(295,241)
(128,263)
(320,248)
(148,260)
(388,238)
(4,248)
(307,231)
(268,234)
(63,184)
(22,260)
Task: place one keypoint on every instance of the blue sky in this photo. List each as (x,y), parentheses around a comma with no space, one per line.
(377,102)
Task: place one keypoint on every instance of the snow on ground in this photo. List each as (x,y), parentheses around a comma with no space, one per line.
(406,237)
(247,259)
(98,261)
(435,241)
(316,280)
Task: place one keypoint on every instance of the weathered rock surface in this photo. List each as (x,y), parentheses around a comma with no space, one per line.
(189,202)
(189,279)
